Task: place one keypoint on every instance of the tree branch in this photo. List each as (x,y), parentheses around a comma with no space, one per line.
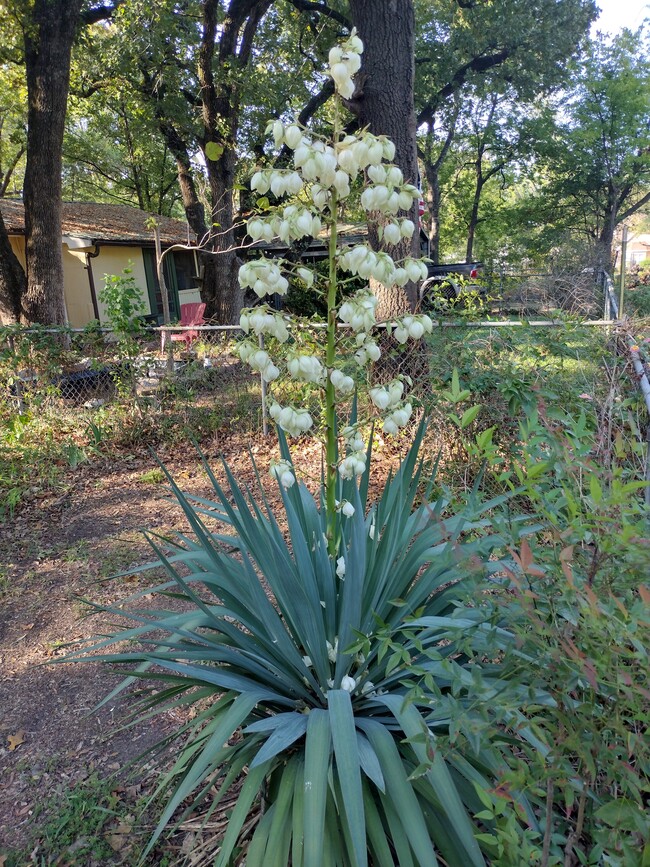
(634,208)
(317,100)
(322,9)
(93,15)
(477,64)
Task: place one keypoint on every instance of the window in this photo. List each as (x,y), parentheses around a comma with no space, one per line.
(185,269)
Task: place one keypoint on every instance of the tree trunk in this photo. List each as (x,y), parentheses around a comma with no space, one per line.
(604,255)
(48,47)
(385,105)
(13,282)
(227,301)
(433,206)
(432,172)
(473,215)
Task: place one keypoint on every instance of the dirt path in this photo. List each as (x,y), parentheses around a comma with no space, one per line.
(53,552)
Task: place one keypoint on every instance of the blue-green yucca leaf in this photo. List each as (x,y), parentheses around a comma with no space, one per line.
(203,762)
(451,805)
(348,770)
(249,791)
(400,794)
(298,815)
(349,613)
(281,738)
(377,837)
(369,762)
(318,745)
(224,679)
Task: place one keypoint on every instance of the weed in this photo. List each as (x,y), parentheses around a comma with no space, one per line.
(152,477)
(87,824)
(77,552)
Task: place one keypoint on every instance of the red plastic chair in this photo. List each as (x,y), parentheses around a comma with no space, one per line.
(191,314)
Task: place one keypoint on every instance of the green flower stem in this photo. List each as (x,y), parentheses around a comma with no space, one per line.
(330,402)
(330,359)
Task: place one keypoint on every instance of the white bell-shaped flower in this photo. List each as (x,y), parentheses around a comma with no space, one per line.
(306,276)
(392,233)
(278,133)
(255,228)
(342,184)
(390,427)
(282,471)
(380,397)
(293,136)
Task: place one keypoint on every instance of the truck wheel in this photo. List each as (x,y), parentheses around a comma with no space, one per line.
(435,289)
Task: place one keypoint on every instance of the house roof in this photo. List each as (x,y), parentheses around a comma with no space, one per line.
(102,223)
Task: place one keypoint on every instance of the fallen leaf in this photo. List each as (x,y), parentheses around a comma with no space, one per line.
(120,839)
(16,740)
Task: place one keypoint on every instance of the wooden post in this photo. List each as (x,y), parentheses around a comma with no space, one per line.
(160,272)
(623,263)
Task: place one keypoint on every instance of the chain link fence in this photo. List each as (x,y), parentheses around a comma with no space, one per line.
(73,367)
(195,374)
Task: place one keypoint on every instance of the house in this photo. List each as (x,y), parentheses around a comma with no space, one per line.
(101,239)
(638,248)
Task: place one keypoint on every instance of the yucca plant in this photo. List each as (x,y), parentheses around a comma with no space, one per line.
(320,683)
(329,652)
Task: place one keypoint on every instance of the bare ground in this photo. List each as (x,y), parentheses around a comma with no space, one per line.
(57,549)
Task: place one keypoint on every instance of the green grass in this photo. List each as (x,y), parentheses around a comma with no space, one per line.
(91,822)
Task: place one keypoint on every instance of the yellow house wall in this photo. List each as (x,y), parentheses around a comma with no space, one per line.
(18,246)
(111,260)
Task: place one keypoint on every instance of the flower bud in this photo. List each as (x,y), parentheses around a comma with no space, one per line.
(392,234)
(389,427)
(278,133)
(293,136)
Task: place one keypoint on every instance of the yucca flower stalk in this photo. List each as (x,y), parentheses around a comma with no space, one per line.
(327,656)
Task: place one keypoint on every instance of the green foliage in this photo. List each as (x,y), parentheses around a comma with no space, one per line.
(593,169)
(123,302)
(87,823)
(339,683)
(575,595)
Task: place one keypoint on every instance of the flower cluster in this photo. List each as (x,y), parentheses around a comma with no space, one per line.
(389,397)
(412,326)
(354,463)
(279,182)
(293,421)
(345,61)
(264,277)
(259,360)
(283,472)
(366,263)
(292,224)
(343,384)
(306,368)
(358,311)
(262,320)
